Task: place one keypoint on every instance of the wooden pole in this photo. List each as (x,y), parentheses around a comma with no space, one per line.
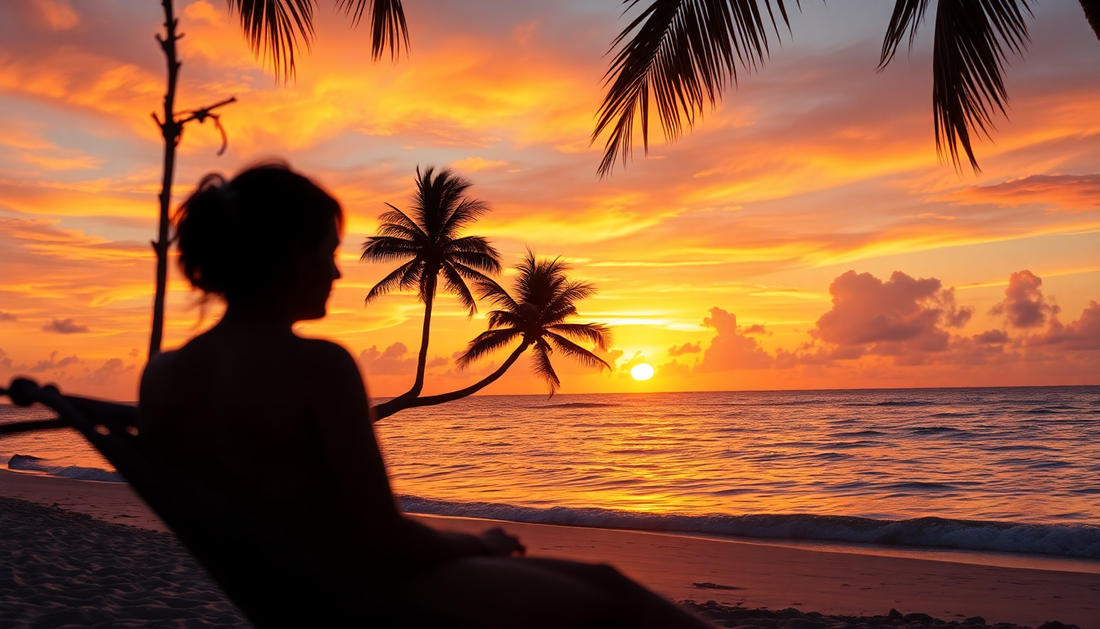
(170,130)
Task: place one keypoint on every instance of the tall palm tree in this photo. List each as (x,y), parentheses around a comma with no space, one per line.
(430,245)
(536,316)
(683,53)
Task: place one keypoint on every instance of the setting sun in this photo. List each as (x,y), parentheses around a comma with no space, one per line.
(642,371)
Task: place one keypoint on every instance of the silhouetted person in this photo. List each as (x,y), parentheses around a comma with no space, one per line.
(280,425)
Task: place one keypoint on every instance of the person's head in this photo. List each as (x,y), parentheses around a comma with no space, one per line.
(266,238)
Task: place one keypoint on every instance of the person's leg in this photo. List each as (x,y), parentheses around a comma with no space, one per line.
(508,593)
(644,607)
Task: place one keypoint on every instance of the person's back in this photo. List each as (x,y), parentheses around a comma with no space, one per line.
(281,426)
(232,409)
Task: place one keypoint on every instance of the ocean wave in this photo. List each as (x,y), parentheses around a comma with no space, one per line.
(894,403)
(1071,540)
(30,463)
(579,405)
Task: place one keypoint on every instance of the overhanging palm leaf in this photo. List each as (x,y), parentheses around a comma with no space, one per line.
(682,54)
(971,40)
(1092,12)
(273,27)
(429,245)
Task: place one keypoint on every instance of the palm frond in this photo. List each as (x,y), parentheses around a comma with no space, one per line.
(596,333)
(495,293)
(387,24)
(273,27)
(505,318)
(972,40)
(907,16)
(563,303)
(395,280)
(540,364)
(467,273)
(486,343)
(683,53)
(576,352)
(397,217)
(476,263)
(1092,12)
(465,211)
(436,199)
(386,248)
(457,286)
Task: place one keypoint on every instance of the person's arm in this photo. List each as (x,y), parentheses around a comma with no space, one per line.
(352,453)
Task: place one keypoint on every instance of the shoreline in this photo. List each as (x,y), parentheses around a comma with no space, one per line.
(753,573)
(969,556)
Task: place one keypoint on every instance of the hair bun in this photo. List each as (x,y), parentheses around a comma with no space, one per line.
(235,237)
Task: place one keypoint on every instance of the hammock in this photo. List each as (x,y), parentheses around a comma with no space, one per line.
(271,582)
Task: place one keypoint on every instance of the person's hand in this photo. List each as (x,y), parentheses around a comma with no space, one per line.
(500,543)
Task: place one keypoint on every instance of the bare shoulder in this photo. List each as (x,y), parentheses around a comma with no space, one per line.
(158,371)
(328,360)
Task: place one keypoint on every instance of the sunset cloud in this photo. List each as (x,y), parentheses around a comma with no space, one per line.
(898,317)
(1024,305)
(731,348)
(52,364)
(686,348)
(1083,334)
(395,360)
(64,326)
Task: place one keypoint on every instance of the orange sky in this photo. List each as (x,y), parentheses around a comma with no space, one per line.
(803,235)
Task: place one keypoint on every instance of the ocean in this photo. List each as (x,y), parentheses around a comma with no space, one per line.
(987,469)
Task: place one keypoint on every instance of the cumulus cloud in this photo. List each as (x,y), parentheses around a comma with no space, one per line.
(731,348)
(52,364)
(991,337)
(6,316)
(686,348)
(395,360)
(1083,334)
(672,368)
(64,326)
(901,317)
(110,373)
(5,361)
(389,362)
(635,360)
(1024,305)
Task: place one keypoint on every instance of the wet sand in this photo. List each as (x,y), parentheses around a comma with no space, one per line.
(60,568)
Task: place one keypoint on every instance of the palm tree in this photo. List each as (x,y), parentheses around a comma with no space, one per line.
(536,316)
(430,246)
(684,53)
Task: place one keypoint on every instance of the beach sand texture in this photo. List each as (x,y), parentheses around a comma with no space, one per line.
(65,569)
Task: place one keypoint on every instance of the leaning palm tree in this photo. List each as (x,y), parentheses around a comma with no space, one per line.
(430,245)
(536,317)
(681,55)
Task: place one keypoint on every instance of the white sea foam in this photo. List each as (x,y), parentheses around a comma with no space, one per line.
(35,464)
(1071,540)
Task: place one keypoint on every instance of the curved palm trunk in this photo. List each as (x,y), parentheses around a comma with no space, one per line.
(422,358)
(401,403)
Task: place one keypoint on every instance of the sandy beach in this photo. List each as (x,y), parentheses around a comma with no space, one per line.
(119,567)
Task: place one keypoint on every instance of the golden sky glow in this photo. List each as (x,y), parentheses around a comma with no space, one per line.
(802,235)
